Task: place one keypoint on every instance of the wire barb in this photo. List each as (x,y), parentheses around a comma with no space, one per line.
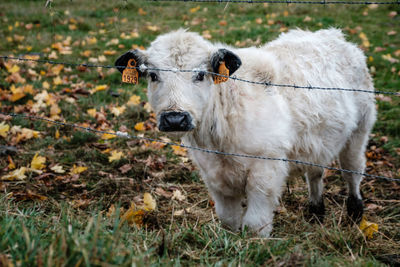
(208,72)
(126,135)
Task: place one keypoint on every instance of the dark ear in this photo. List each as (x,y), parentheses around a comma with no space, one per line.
(232,61)
(122,61)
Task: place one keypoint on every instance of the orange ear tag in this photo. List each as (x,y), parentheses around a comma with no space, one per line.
(223,70)
(130,75)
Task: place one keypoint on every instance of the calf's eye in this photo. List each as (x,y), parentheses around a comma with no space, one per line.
(154,77)
(200,76)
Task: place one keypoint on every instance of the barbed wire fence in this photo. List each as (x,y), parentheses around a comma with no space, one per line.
(306,87)
(205,150)
(210,151)
(286,2)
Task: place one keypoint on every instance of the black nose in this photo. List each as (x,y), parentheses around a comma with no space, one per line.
(173,121)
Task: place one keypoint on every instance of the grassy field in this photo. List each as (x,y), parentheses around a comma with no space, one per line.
(85,203)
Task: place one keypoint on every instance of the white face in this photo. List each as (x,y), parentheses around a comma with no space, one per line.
(179,98)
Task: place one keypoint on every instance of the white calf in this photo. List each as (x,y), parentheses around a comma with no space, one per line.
(310,125)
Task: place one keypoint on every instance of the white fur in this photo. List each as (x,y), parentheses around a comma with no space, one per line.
(309,125)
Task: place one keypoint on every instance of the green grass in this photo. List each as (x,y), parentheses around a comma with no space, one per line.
(71,226)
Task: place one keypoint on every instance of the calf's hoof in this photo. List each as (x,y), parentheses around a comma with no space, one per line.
(355,208)
(316,212)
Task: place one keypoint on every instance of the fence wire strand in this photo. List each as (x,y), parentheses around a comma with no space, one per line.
(309,87)
(205,150)
(286,2)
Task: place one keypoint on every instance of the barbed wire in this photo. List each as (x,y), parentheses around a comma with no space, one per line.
(205,150)
(309,87)
(285,2)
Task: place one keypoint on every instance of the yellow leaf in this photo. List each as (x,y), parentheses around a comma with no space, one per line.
(16,97)
(4,128)
(195,9)
(133,216)
(147,107)
(364,40)
(57,134)
(139,126)
(133,100)
(37,162)
(118,110)
(57,80)
(109,52)
(178,150)
(55,110)
(78,169)
(115,155)
(13,69)
(18,174)
(107,136)
(57,169)
(11,164)
(368,228)
(149,202)
(91,112)
(92,40)
(99,88)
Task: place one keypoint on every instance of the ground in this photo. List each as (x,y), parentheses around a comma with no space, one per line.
(69,197)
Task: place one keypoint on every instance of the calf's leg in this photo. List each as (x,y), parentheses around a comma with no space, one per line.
(316,206)
(229,209)
(352,157)
(263,190)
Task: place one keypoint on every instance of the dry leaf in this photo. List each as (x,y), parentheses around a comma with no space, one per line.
(149,202)
(37,162)
(139,126)
(91,112)
(178,195)
(107,136)
(115,155)
(118,110)
(368,228)
(18,174)
(4,128)
(78,169)
(57,169)
(134,100)
(178,150)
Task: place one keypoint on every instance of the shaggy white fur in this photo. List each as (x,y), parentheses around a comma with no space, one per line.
(309,125)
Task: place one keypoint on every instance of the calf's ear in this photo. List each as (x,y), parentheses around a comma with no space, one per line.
(231,60)
(122,61)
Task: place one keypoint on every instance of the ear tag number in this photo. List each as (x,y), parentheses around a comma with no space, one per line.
(130,75)
(223,70)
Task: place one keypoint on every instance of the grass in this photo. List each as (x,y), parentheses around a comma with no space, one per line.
(63,219)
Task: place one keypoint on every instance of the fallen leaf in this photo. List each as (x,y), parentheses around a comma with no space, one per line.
(194,9)
(57,169)
(178,195)
(178,150)
(78,169)
(118,110)
(134,100)
(149,202)
(4,128)
(368,228)
(99,88)
(125,168)
(115,155)
(91,112)
(107,136)
(37,162)
(11,164)
(18,174)
(139,126)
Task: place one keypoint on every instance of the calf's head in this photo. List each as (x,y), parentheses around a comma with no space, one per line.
(179,99)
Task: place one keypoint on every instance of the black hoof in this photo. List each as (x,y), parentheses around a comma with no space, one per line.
(316,212)
(355,208)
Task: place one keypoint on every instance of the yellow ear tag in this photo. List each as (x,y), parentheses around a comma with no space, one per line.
(130,75)
(223,70)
